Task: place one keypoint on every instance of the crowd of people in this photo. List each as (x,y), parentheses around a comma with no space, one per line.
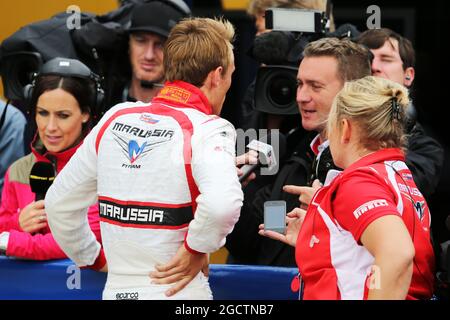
(153,188)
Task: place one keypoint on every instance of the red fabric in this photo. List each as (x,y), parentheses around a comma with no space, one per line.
(349,204)
(315,145)
(189,248)
(15,197)
(183,95)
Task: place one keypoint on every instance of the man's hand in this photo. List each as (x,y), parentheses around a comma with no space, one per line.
(32,218)
(181,269)
(294,223)
(305,193)
(250,157)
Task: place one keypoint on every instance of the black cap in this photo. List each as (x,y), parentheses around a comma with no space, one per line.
(156,17)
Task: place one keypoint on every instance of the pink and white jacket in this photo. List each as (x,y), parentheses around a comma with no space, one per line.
(17,194)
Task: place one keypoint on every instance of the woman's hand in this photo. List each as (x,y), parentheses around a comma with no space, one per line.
(294,223)
(32,218)
(305,193)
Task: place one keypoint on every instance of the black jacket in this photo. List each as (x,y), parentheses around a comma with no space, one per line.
(425,159)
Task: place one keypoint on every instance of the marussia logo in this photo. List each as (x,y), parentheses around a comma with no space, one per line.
(134,150)
(419,206)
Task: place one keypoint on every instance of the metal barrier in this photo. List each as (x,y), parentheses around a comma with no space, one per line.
(62,280)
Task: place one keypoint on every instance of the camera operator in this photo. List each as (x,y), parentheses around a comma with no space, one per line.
(251,118)
(327,64)
(150,26)
(394,59)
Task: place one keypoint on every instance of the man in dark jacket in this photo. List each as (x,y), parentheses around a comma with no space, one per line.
(394,59)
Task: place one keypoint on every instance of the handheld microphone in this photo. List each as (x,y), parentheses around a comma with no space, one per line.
(268,157)
(41,178)
(150,84)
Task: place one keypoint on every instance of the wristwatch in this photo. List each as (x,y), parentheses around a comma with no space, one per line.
(4,238)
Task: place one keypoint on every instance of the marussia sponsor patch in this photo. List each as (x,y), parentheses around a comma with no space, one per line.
(144,215)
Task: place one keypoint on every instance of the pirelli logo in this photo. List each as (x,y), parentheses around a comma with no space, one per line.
(369,206)
(142,216)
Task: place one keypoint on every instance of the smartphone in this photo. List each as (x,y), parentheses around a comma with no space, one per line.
(275,216)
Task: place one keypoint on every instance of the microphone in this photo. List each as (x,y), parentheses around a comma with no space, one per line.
(150,84)
(267,156)
(41,178)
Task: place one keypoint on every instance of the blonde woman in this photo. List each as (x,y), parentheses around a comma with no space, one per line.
(366,235)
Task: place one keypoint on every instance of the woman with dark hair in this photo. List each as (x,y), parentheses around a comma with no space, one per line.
(61,107)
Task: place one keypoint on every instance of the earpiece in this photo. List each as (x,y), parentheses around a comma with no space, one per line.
(408,78)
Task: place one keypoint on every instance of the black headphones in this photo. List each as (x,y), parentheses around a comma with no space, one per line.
(65,67)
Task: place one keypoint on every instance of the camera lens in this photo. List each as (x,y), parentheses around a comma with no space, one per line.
(282,90)
(18,71)
(276,89)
